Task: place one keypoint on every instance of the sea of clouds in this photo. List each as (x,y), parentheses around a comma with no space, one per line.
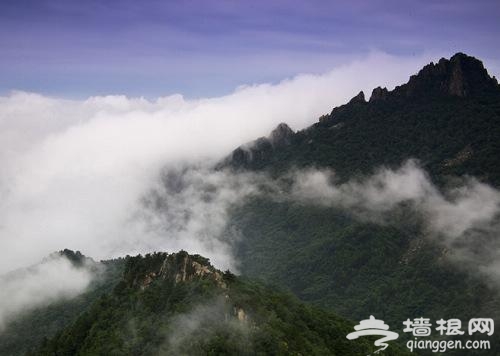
(114,175)
(74,172)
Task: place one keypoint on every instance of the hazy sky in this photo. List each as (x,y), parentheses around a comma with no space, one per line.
(207,48)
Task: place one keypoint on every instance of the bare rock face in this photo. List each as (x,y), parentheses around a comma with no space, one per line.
(240,314)
(190,270)
(456,83)
(460,158)
(261,148)
(460,76)
(360,98)
(281,135)
(177,267)
(379,94)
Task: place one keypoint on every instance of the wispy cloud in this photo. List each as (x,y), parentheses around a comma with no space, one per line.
(464,218)
(53,279)
(201,323)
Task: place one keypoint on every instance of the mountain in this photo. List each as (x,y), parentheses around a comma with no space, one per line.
(26,331)
(178,304)
(447,117)
(310,269)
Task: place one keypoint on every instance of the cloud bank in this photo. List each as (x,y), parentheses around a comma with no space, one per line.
(464,218)
(450,213)
(189,209)
(193,205)
(53,279)
(74,173)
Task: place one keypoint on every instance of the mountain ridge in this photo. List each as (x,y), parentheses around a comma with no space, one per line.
(447,117)
(451,127)
(407,122)
(179,304)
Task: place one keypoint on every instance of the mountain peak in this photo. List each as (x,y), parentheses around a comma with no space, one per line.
(281,135)
(461,76)
(76,258)
(178,267)
(359,98)
(379,93)
(262,148)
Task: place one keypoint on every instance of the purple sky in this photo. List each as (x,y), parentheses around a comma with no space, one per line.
(206,48)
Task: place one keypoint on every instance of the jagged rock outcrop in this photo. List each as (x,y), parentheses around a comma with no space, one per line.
(379,94)
(453,85)
(258,150)
(360,98)
(461,76)
(281,135)
(77,259)
(176,267)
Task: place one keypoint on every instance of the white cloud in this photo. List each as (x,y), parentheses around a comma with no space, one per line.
(449,213)
(201,323)
(189,208)
(48,281)
(73,172)
(465,218)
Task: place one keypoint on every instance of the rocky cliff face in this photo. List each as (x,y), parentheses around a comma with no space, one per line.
(460,76)
(379,94)
(358,99)
(177,267)
(260,149)
(281,135)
